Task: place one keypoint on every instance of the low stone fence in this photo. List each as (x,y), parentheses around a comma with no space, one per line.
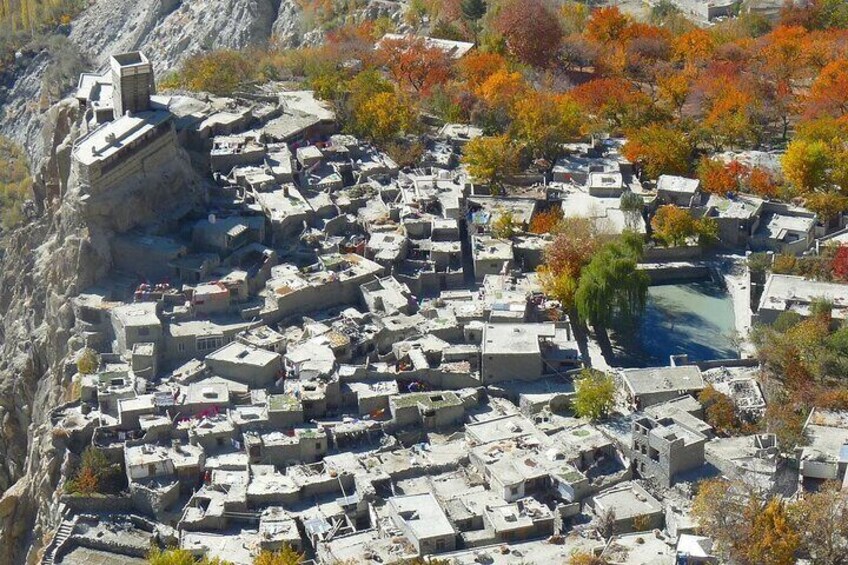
(675,272)
(716,363)
(679,253)
(98,504)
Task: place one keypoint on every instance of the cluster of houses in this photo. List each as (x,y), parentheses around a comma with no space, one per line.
(343,357)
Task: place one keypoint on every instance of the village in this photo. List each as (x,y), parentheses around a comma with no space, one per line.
(357,361)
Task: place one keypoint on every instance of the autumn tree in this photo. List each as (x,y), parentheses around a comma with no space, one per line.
(674,226)
(504,226)
(748,528)
(607,25)
(218,72)
(594,394)
(613,100)
(821,518)
(717,177)
(88,361)
(544,121)
(574,16)
(413,64)
(502,88)
(827,205)
(95,475)
(170,557)
(806,164)
(719,410)
(476,67)
(693,48)
(530,29)
(491,159)
(773,540)
(575,242)
(673,90)
(545,221)
(762,183)
(175,556)
(786,422)
(377,111)
(585,558)
(729,120)
(839,263)
(659,150)
(829,92)
(285,556)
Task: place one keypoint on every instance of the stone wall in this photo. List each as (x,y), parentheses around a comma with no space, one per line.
(98,504)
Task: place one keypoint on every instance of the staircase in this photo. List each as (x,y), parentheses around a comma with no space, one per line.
(66,529)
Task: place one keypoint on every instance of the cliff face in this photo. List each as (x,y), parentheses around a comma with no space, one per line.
(45,264)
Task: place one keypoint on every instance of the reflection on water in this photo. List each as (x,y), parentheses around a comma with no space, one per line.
(692,318)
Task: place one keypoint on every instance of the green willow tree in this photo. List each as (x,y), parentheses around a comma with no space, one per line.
(612,291)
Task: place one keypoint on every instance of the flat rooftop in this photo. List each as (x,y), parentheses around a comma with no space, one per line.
(795,293)
(235,352)
(515,338)
(423,514)
(663,379)
(672,183)
(137,314)
(111,138)
(782,227)
(628,500)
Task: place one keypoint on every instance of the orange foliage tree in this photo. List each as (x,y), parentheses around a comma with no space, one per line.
(762,183)
(829,93)
(607,25)
(545,222)
(718,177)
(415,65)
(478,66)
(502,88)
(614,100)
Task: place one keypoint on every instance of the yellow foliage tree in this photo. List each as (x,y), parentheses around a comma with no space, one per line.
(383,117)
(285,556)
(490,159)
(88,361)
(544,121)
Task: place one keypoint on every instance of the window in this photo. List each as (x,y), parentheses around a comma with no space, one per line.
(151,469)
(318,446)
(220,441)
(209,343)
(440,545)
(144,331)
(181,347)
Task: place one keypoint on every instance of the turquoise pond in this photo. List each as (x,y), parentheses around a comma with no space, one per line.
(695,318)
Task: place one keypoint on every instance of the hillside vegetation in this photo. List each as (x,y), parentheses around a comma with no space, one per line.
(15,183)
(21,20)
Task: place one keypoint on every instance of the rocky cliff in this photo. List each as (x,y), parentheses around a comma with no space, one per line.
(45,264)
